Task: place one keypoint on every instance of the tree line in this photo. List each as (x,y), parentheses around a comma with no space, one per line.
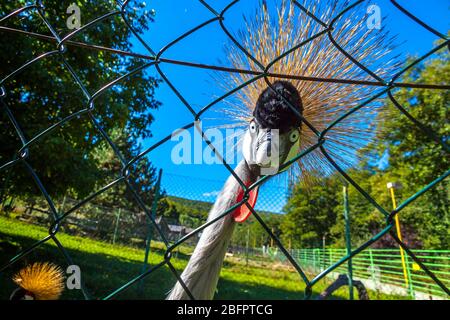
(402,152)
(74,159)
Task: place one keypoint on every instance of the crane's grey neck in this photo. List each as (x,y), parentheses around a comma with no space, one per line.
(203,269)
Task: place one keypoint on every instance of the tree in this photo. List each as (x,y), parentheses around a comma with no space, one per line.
(414,158)
(45,93)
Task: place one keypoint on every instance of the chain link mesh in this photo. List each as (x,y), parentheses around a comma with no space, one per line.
(156,59)
(271,199)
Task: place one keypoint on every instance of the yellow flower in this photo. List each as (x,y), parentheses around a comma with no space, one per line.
(45,281)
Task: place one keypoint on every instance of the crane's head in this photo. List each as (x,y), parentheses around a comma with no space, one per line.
(38,281)
(272,137)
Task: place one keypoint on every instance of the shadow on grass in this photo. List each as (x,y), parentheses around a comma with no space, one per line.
(228,290)
(101,273)
(104,273)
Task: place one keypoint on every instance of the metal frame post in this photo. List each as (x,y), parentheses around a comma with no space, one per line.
(348,243)
(150,229)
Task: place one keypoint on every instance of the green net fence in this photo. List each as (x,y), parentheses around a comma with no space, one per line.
(61,215)
(381,269)
(271,199)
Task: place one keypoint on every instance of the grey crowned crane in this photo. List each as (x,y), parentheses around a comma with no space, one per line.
(267,110)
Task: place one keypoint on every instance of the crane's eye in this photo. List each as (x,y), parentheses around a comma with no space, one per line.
(293,137)
(252,127)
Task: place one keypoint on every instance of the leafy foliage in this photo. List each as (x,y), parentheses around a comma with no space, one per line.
(74,158)
(311,214)
(403,153)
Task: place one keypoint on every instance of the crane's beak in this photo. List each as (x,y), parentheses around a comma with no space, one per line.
(266,150)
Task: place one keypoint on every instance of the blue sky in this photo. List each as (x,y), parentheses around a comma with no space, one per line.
(174,17)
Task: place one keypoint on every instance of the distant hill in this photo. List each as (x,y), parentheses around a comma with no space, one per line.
(200,206)
(193,213)
(203,207)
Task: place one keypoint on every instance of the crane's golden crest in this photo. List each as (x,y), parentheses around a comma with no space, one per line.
(42,281)
(268,35)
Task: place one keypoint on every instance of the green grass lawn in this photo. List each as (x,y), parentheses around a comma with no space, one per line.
(106,267)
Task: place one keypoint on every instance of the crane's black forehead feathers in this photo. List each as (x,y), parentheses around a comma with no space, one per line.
(273,112)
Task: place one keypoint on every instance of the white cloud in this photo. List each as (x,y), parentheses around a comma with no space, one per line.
(211,194)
